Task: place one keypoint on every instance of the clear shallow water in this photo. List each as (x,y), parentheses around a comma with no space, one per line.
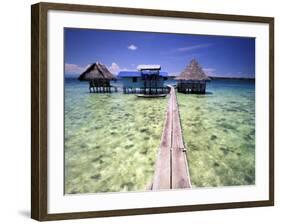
(111,140)
(219,131)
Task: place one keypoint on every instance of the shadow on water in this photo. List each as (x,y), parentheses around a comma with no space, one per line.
(24,213)
(209,93)
(199,94)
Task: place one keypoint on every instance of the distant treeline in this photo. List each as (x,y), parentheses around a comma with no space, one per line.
(237,78)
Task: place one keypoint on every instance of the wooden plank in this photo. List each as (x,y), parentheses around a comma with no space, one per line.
(162,175)
(166,139)
(177,132)
(180,174)
(171,170)
(179,167)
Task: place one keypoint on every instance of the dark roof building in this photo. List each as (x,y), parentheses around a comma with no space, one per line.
(148,79)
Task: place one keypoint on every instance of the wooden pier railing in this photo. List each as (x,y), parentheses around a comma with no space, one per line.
(171,170)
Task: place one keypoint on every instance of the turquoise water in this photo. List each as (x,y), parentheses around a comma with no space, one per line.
(219,131)
(111,140)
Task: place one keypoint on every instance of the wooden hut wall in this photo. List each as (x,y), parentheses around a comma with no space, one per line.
(155,82)
(101,86)
(140,82)
(129,83)
(192,87)
(100,83)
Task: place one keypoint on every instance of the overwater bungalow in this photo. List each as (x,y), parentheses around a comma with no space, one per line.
(147,80)
(99,78)
(192,79)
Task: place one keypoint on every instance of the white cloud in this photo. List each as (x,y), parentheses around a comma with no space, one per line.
(193,47)
(73,69)
(132,47)
(114,68)
(210,71)
(174,74)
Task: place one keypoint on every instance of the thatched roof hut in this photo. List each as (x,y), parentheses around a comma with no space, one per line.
(192,79)
(193,72)
(99,78)
(96,71)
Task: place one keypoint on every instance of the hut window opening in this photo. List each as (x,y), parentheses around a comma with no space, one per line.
(135,79)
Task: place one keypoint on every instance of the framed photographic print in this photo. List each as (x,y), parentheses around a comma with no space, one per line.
(138,111)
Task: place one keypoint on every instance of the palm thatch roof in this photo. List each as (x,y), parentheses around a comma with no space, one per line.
(193,72)
(96,71)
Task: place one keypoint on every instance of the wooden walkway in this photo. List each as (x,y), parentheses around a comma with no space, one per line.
(171,171)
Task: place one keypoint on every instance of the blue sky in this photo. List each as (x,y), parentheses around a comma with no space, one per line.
(122,50)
